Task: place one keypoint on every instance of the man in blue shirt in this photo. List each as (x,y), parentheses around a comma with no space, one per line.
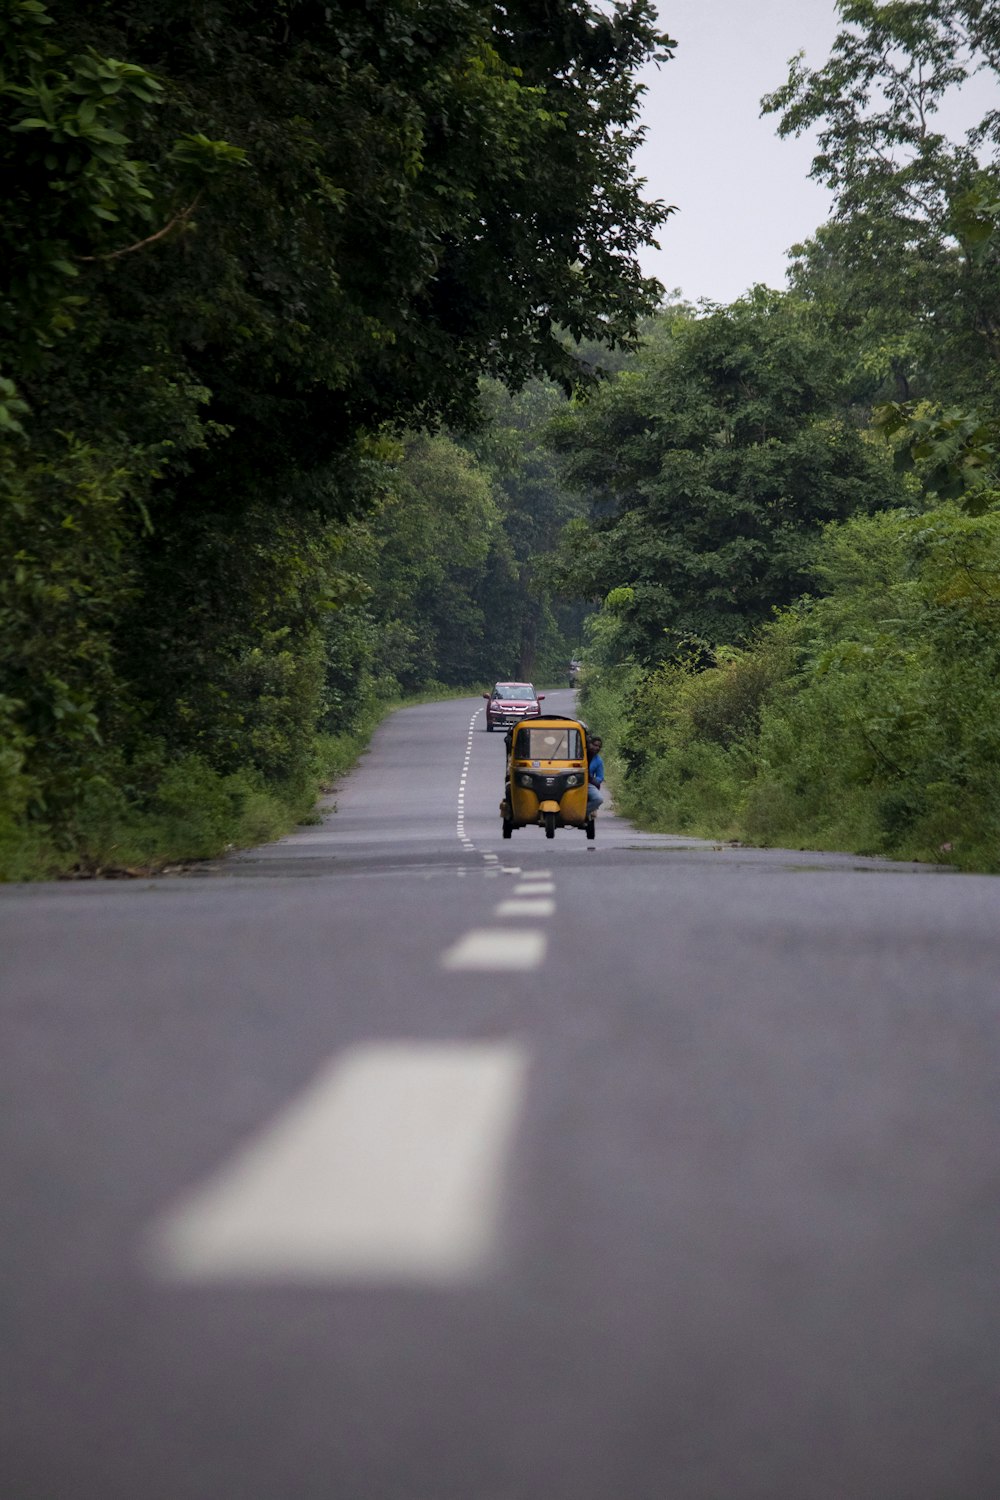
(595,774)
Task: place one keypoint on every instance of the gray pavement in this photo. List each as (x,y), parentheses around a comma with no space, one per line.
(394,1161)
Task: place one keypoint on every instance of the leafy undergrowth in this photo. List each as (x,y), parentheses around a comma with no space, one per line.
(152,818)
(865,721)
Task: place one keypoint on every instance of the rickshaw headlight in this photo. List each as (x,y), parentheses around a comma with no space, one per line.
(525,779)
(572,781)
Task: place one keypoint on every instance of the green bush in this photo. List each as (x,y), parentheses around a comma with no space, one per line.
(866,720)
(65,528)
(677,736)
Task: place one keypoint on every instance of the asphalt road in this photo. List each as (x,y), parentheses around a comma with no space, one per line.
(397,1162)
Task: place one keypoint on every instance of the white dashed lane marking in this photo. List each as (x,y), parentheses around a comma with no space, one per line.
(501,950)
(526,908)
(496,950)
(388,1168)
(466,842)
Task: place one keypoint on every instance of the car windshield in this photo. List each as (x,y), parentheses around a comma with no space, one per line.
(520,690)
(549,744)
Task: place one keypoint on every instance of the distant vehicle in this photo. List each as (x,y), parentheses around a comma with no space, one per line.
(574,672)
(510,702)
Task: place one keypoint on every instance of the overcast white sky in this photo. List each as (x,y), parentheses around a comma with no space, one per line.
(743,196)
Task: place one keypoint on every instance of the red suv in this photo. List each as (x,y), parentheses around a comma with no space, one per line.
(509,702)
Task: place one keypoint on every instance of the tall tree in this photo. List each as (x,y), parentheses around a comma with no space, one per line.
(426,189)
(909,264)
(246,236)
(710,466)
(535,506)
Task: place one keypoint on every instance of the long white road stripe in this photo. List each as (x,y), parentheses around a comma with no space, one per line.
(388,1168)
(528,906)
(495,949)
(529,887)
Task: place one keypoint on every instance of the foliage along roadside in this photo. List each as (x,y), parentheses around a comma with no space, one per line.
(250,250)
(864,720)
(711,463)
(864,717)
(431,590)
(187,812)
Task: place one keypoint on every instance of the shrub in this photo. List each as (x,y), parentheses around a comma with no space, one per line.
(865,720)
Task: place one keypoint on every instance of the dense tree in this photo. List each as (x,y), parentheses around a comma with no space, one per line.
(863,716)
(245,240)
(535,506)
(908,269)
(864,719)
(440,581)
(425,189)
(424,552)
(711,466)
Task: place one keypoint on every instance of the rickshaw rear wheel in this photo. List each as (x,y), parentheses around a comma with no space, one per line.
(591,828)
(508,829)
(550,825)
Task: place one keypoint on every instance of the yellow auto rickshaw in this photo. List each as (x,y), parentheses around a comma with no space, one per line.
(547,776)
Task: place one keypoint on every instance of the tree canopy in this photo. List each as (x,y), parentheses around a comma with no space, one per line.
(860,714)
(710,465)
(252,244)
(908,271)
(415,194)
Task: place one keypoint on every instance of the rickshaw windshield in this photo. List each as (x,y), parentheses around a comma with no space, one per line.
(549,744)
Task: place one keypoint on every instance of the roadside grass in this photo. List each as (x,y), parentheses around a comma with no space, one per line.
(185,812)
